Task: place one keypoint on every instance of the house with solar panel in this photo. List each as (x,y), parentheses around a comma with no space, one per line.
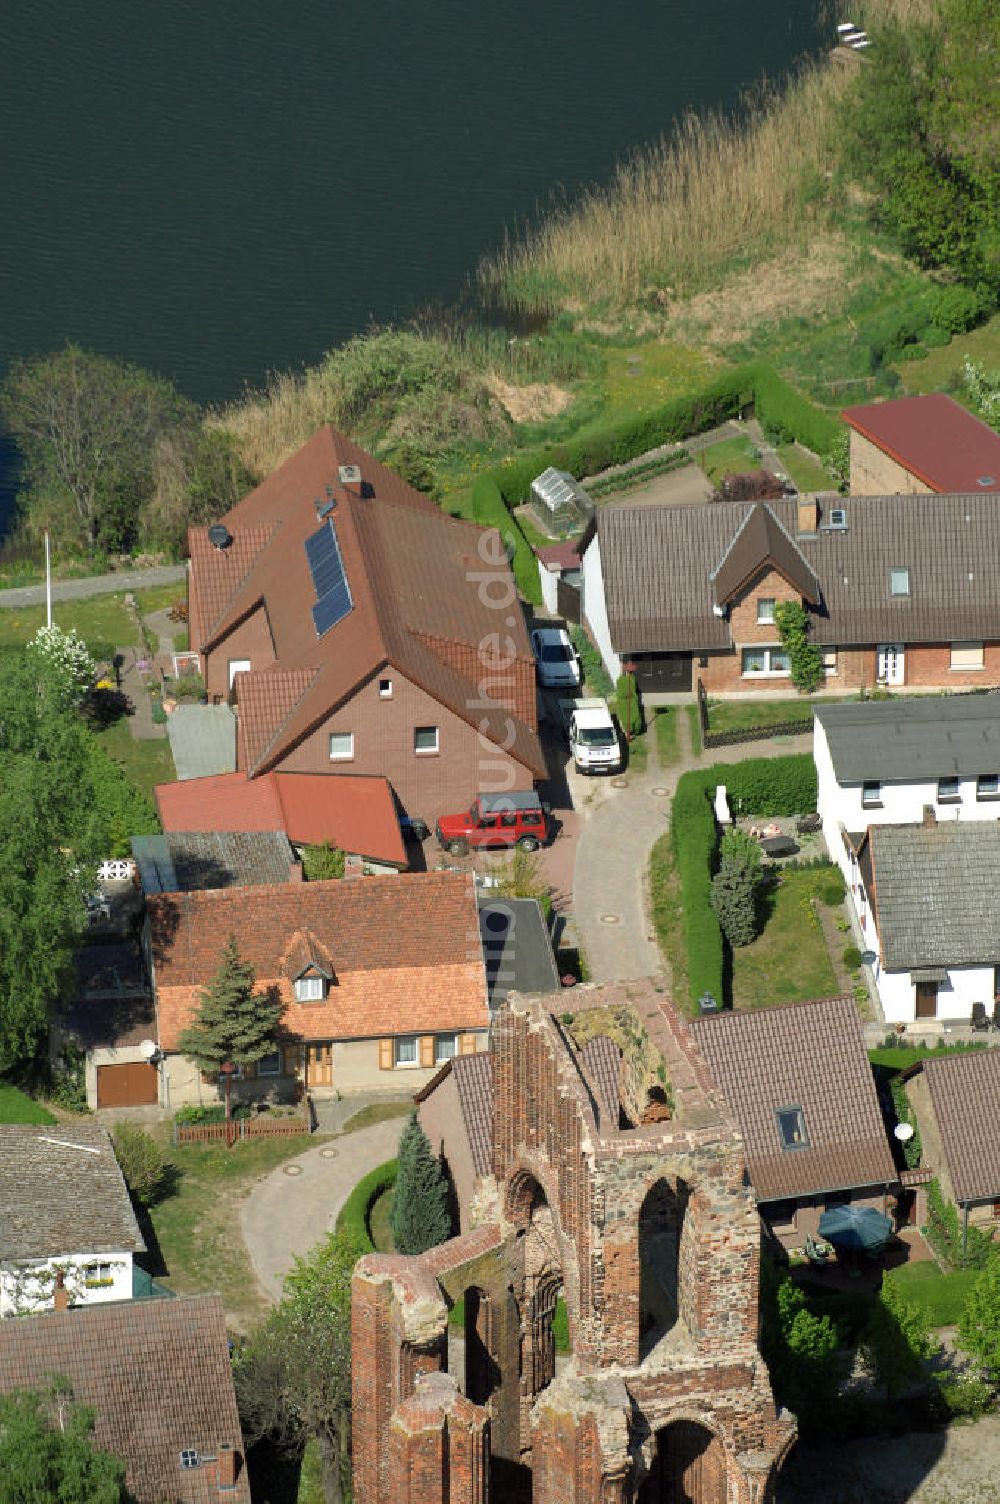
(355,628)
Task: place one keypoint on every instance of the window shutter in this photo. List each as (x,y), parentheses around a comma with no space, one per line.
(467,1044)
(426,1049)
(385,1054)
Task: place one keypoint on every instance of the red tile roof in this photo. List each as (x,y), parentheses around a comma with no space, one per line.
(355,813)
(405,952)
(417,605)
(560,555)
(935,439)
(157,1375)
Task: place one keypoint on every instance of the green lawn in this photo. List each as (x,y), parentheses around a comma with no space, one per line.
(901,1059)
(17,1107)
(379,1222)
(378,1112)
(804,469)
(788,962)
(942,1295)
(145,763)
(666,729)
(639,378)
(694,723)
(940,370)
(637,753)
(738,715)
(730,457)
(101,620)
(198,1227)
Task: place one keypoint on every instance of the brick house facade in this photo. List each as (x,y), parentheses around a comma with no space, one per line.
(649,1233)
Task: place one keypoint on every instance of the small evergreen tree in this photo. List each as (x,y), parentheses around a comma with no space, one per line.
(421,1214)
(629,705)
(232,1022)
(734,887)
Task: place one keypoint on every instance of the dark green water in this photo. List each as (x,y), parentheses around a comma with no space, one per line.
(214,190)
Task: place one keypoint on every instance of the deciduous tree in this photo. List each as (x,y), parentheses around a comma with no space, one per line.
(979,1327)
(47,1453)
(897,1340)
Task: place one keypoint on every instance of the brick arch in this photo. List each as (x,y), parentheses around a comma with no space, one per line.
(690,1463)
(521,1194)
(666,1266)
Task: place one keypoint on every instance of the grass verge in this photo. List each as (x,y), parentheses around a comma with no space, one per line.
(741,715)
(101,620)
(943,1296)
(377,1112)
(667,730)
(352,1219)
(17,1107)
(665,901)
(789,961)
(804,469)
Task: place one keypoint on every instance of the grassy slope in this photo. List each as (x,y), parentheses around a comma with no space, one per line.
(940,369)
(98,619)
(145,763)
(788,962)
(16,1107)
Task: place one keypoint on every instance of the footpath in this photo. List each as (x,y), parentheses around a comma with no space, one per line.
(96,584)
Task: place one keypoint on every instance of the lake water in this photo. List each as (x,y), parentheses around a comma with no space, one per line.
(214,190)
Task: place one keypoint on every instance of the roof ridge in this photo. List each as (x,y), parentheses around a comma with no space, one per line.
(753,506)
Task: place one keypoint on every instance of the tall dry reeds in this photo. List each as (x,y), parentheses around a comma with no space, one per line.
(675,213)
(270,425)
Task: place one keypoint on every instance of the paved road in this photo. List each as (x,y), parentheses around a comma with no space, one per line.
(96,584)
(287,1214)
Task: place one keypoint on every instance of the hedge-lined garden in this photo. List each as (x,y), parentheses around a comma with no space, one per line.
(353,1216)
(765,786)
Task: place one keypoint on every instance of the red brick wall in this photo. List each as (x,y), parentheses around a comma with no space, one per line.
(251,639)
(427,784)
(926,666)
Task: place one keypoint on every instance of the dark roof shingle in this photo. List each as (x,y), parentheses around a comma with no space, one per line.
(935,892)
(965,1092)
(761,542)
(474,1084)
(807,1055)
(61,1191)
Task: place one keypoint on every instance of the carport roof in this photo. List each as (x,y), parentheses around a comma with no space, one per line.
(203,740)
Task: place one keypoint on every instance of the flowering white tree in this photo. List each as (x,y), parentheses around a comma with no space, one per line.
(66,656)
(983,390)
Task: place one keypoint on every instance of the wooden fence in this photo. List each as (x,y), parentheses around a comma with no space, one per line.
(240,1130)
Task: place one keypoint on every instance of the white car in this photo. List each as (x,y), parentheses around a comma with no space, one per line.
(558,666)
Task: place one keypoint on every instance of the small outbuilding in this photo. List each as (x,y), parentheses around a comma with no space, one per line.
(560,503)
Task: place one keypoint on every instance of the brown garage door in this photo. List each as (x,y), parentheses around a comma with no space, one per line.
(126,1085)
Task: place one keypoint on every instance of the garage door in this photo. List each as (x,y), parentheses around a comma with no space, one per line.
(127,1085)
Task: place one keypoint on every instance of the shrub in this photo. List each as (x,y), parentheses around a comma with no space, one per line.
(489,510)
(597,677)
(804,657)
(734,887)
(945,1234)
(769,785)
(956,308)
(352,1219)
(192,1117)
(851,957)
(69,1080)
(966,1397)
(322,863)
(912,1148)
(749,485)
(141,1161)
(629,705)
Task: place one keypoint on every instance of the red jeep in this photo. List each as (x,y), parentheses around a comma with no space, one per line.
(516,819)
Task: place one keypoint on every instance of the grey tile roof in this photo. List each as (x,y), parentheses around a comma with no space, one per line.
(516,947)
(59,1196)
(965,1095)
(156,1373)
(185,861)
(936,892)
(893,740)
(657,563)
(474,1084)
(807,1055)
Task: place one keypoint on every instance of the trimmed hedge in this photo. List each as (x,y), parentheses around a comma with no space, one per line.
(768,785)
(787,416)
(489,510)
(630,716)
(352,1218)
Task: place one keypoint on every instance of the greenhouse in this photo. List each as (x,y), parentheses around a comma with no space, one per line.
(559,503)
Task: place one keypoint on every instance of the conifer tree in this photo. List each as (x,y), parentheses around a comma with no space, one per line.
(421,1213)
(232,1022)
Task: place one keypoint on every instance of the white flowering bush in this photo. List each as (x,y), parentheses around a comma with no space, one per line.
(66,655)
(983,390)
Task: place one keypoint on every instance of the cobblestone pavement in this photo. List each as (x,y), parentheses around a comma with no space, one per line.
(957,1466)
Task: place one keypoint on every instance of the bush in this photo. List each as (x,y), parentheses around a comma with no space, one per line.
(734,887)
(141,1161)
(193,1117)
(966,1397)
(768,785)
(957,308)
(596,675)
(489,510)
(322,863)
(629,706)
(692,834)
(832,891)
(69,1079)
(944,1233)
(851,957)
(352,1219)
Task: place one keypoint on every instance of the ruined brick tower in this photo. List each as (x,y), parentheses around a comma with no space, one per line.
(646,1229)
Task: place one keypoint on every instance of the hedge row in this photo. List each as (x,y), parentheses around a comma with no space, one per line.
(758,786)
(489,510)
(780,408)
(352,1218)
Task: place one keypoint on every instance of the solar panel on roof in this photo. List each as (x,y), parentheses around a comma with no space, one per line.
(333,593)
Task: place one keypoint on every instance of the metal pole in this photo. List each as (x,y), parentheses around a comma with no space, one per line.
(48,581)
(965,1227)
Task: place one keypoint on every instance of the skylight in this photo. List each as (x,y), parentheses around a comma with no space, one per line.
(333,593)
(792,1127)
(899,581)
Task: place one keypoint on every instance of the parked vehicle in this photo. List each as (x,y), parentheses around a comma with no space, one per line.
(556,661)
(592,735)
(496,820)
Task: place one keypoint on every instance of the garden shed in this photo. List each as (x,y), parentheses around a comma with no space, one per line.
(559,503)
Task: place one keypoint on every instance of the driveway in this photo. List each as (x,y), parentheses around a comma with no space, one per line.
(295,1207)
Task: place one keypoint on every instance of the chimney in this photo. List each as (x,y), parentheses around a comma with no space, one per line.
(350,479)
(60,1295)
(808,518)
(930,818)
(226,1467)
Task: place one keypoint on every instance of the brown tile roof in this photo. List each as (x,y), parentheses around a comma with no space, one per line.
(57,1195)
(601,1060)
(158,1376)
(965,1093)
(657,563)
(934,438)
(759,543)
(417,605)
(474,1084)
(355,813)
(405,952)
(808,1055)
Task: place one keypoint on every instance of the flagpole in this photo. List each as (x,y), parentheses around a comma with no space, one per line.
(48,582)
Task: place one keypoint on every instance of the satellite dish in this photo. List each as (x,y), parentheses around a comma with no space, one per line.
(147,1048)
(219,535)
(869,957)
(904,1132)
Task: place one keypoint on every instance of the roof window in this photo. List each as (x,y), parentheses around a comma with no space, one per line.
(837,519)
(190,1458)
(792,1127)
(899,581)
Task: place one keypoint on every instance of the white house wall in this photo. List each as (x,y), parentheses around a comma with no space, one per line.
(27,1288)
(965,985)
(595,608)
(550,581)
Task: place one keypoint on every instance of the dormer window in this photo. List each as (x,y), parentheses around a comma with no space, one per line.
(792,1127)
(899,581)
(190,1458)
(310,989)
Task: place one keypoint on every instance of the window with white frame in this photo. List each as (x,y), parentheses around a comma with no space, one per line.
(765,610)
(341,746)
(760,663)
(988,786)
(871,795)
(426,739)
(269,1065)
(310,989)
(189,1458)
(899,581)
(385,689)
(405,1050)
(100,1274)
(949,791)
(829,660)
(966,655)
(445,1047)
